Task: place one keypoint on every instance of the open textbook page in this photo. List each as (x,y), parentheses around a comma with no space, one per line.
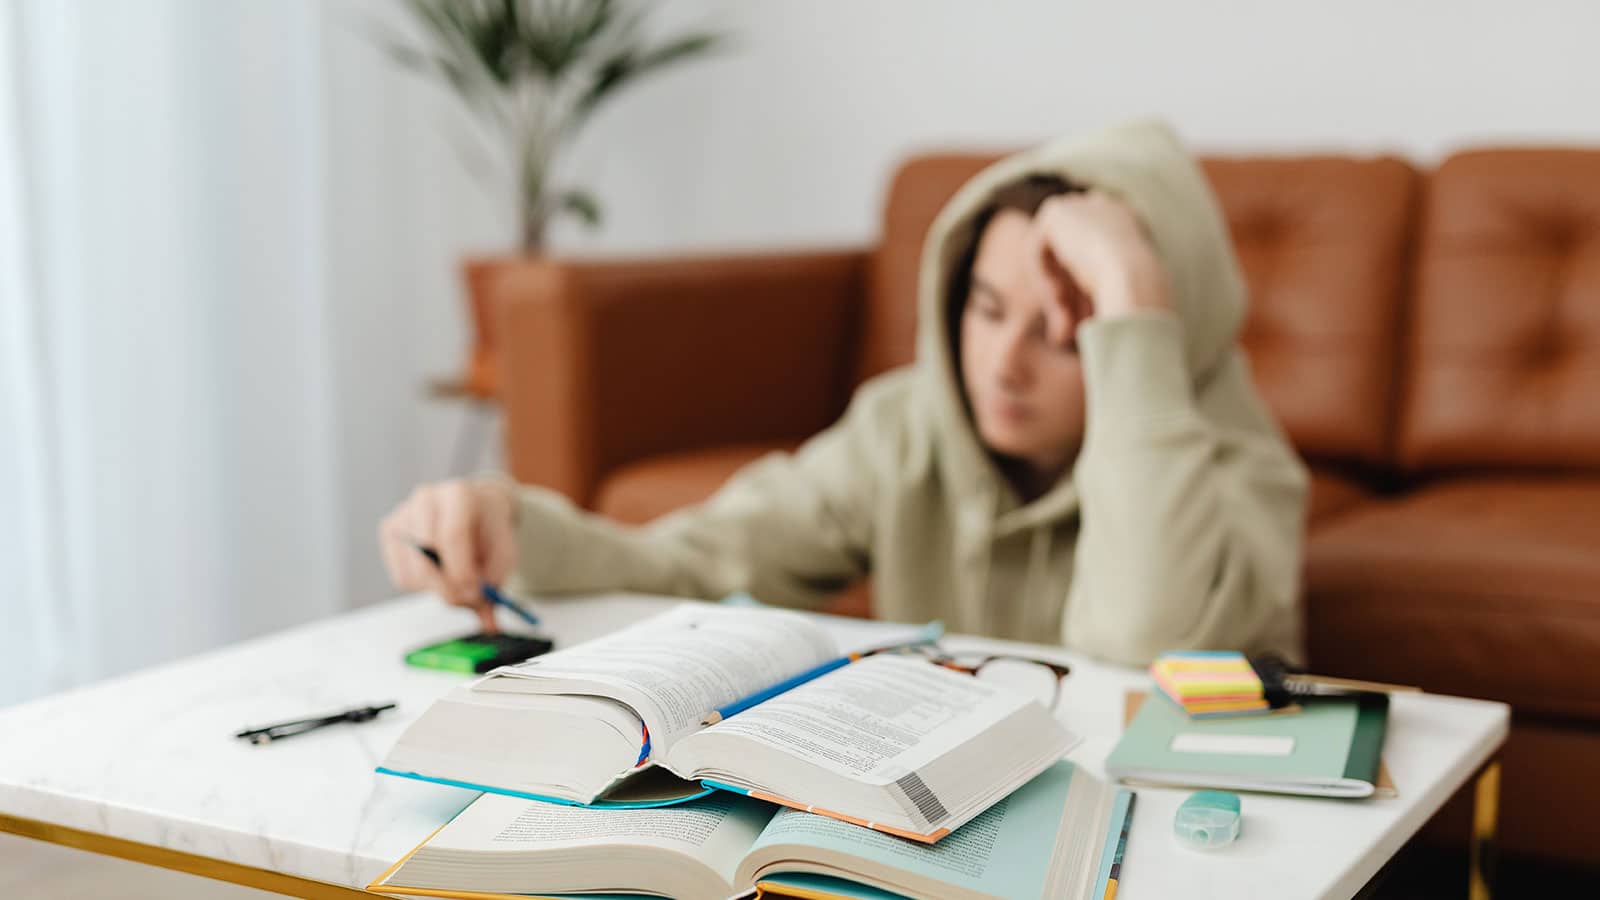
(1054,837)
(891,742)
(674,668)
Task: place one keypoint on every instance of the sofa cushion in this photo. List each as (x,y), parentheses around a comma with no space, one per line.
(1504,340)
(1487,587)
(643,490)
(1331,494)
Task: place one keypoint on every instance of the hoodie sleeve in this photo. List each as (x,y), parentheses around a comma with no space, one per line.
(789,529)
(1192,503)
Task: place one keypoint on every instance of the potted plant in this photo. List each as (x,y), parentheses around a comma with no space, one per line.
(532,73)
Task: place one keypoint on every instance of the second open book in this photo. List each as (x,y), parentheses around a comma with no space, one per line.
(890,742)
(1056,837)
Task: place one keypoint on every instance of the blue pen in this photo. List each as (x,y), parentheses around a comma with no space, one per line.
(930,632)
(499,599)
(490,592)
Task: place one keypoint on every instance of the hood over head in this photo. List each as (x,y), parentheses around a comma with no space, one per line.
(1144,165)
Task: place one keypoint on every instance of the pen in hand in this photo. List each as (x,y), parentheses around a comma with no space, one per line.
(490,592)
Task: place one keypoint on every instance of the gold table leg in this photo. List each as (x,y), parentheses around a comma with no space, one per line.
(205,866)
(1485,821)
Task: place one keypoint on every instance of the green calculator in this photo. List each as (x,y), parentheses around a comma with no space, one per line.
(478,653)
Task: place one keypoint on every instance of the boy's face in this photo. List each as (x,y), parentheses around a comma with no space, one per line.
(1026,392)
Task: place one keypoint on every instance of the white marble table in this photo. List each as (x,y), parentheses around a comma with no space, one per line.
(145,766)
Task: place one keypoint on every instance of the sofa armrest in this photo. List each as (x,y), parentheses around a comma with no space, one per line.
(606,362)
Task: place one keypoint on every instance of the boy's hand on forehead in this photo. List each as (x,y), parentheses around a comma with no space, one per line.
(1093,253)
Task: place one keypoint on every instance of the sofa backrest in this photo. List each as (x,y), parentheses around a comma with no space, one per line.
(1503,344)
(920,188)
(1324,242)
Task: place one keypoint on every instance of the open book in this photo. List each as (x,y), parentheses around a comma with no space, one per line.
(890,742)
(1054,837)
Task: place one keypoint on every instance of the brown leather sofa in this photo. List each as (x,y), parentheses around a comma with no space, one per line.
(1430,339)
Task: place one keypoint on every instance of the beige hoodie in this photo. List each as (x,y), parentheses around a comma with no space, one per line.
(1179,526)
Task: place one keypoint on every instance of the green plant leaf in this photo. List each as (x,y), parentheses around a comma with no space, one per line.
(631,63)
(454,56)
(555,35)
(582,204)
(533,71)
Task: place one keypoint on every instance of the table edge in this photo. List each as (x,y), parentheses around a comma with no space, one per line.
(177,860)
(1490,749)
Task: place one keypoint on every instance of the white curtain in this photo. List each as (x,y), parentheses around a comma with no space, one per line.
(222,282)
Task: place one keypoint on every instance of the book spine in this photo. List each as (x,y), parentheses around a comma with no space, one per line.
(1366,744)
(1116,845)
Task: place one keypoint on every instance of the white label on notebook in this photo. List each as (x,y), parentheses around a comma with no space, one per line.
(1233,744)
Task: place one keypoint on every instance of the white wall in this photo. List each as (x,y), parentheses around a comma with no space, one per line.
(791,137)
(400,213)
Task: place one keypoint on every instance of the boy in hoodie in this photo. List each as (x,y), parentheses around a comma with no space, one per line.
(1077,455)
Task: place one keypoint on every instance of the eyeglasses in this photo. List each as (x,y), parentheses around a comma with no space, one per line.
(1038,678)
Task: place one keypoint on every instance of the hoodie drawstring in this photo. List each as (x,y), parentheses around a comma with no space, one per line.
(985,551)
(1038,569)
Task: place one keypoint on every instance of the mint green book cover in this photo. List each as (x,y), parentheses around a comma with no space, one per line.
(1330,748)
(1004,852)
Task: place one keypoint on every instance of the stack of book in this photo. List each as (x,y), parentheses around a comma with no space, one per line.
(711,752)
(1326,740)
(1331,747)
(1210,683)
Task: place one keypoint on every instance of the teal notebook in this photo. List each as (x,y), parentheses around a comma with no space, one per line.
(1329,749)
